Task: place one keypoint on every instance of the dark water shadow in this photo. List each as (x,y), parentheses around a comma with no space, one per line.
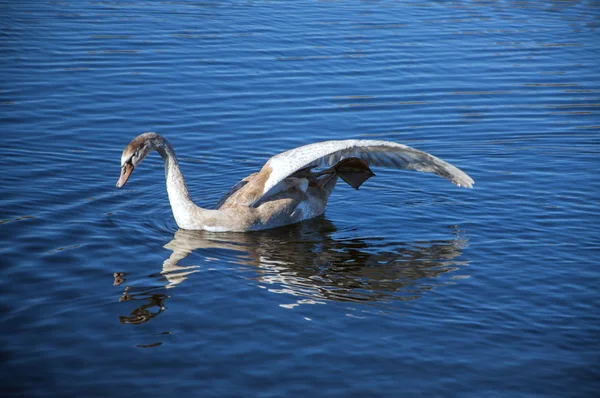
(309,263)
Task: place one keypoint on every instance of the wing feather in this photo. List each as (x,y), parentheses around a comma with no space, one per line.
(375,152)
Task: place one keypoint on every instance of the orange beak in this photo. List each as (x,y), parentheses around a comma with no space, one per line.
(125,173)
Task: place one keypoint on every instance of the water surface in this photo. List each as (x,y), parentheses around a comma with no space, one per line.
(409,286)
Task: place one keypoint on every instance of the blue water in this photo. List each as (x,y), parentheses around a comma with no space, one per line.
(408,287)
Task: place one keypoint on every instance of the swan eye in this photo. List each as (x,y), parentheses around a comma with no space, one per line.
(136,154)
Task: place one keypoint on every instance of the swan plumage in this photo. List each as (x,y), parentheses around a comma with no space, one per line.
(290,187)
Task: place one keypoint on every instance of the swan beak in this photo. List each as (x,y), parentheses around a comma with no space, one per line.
(125,173)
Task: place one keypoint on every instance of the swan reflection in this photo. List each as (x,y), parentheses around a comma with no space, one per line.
(154,305)
(309,263)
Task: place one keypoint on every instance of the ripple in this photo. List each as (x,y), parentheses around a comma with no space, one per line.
(477,287)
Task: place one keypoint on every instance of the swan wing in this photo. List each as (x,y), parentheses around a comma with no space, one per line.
(374,152)
(270,180)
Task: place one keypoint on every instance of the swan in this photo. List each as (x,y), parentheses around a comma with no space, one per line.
(289,188)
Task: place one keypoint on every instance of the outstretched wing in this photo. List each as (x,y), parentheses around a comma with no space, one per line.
(374,152)
(270,180)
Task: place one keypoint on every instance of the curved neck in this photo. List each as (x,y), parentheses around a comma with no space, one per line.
(184,209)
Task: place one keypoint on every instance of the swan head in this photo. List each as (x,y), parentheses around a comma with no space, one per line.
(133,154)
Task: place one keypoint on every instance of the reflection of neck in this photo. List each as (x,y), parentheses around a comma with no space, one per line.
(301,258)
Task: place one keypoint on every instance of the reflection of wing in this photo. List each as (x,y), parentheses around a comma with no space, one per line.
(305,261)
(375,153)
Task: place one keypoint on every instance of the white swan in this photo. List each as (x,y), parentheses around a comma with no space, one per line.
(287,189)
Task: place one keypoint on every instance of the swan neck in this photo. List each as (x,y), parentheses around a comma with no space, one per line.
(184,209)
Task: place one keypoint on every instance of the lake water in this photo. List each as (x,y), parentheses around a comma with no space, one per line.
(409,286)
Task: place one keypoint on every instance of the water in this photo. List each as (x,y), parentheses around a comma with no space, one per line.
(409,286)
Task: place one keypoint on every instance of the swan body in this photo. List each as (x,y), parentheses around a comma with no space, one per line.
(287,189)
